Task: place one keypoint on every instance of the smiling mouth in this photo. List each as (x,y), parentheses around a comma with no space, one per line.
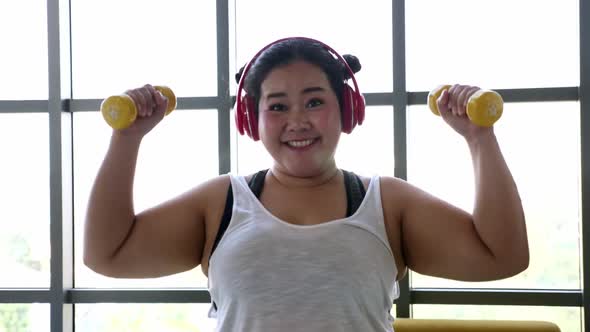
(301,143)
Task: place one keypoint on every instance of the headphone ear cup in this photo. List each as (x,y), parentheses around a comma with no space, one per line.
(360,108)
(239,115)
(348,109)
(251,118)
(245,115)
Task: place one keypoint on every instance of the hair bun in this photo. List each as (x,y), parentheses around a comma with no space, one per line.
(239,74)
(353,62)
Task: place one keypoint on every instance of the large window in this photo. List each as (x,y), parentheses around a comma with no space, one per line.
(535,52)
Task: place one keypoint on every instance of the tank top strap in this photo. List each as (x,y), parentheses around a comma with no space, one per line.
(369,214)
(245,202)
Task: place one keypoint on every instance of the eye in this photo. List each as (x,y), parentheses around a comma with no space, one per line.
(277,107)
(315,102)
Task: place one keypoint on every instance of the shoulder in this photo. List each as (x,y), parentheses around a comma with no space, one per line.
(398,196)
(389,186)
(207,195)
(396,189)
(212,194)
(213,186)
(218,186)
(217,183)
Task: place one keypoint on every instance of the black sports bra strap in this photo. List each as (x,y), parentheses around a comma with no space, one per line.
(361,187)
(355,192)
(227,212)
(256,183)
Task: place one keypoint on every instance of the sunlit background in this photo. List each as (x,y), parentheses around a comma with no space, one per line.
(122,44)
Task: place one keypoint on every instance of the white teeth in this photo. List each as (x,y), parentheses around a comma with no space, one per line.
(300,144)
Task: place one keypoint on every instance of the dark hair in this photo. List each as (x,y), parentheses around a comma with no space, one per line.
(290,50)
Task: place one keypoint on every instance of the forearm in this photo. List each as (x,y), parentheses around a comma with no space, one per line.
(498,213)
(110,213)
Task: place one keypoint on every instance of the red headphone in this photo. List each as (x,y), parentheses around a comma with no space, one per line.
(353,102)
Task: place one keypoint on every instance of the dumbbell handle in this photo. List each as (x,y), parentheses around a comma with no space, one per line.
(120,111)
(484,107)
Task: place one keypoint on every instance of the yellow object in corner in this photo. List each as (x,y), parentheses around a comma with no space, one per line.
(457,325)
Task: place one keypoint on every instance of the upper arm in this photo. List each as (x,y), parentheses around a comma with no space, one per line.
(439,239)
(168,238)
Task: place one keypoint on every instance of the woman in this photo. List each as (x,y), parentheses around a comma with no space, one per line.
(304,245)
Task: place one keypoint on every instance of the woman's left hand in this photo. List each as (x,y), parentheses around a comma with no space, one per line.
(452,106)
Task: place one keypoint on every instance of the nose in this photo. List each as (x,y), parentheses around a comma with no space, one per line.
(298,120)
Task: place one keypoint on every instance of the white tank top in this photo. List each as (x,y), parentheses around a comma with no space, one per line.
(270,275)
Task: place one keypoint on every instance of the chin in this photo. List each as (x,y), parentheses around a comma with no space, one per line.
(306,170)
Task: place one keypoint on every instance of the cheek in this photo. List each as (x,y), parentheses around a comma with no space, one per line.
(268,121)
(329,119)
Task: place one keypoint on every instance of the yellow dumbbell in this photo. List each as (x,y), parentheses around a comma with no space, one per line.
(120,112)
(484,107)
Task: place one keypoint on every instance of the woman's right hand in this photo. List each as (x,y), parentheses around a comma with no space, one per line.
(151,107)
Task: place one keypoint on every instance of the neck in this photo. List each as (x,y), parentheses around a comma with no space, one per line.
(289,180)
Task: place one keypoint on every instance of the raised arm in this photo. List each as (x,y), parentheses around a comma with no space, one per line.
(163,240)
(444,241)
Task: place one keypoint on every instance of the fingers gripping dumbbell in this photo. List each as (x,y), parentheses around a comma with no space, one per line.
(120,111)
(484,107)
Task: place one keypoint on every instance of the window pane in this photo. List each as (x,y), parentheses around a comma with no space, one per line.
(349,28)
(139,317)
(567,318)
(353,153)
(178,154)
(24,190)
(24,50)
(24,317)
(118,45)
(544,157)
(499,44)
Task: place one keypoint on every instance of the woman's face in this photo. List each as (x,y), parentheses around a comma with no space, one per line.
(299,119)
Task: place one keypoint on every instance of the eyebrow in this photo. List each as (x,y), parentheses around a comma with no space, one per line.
(283,94)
